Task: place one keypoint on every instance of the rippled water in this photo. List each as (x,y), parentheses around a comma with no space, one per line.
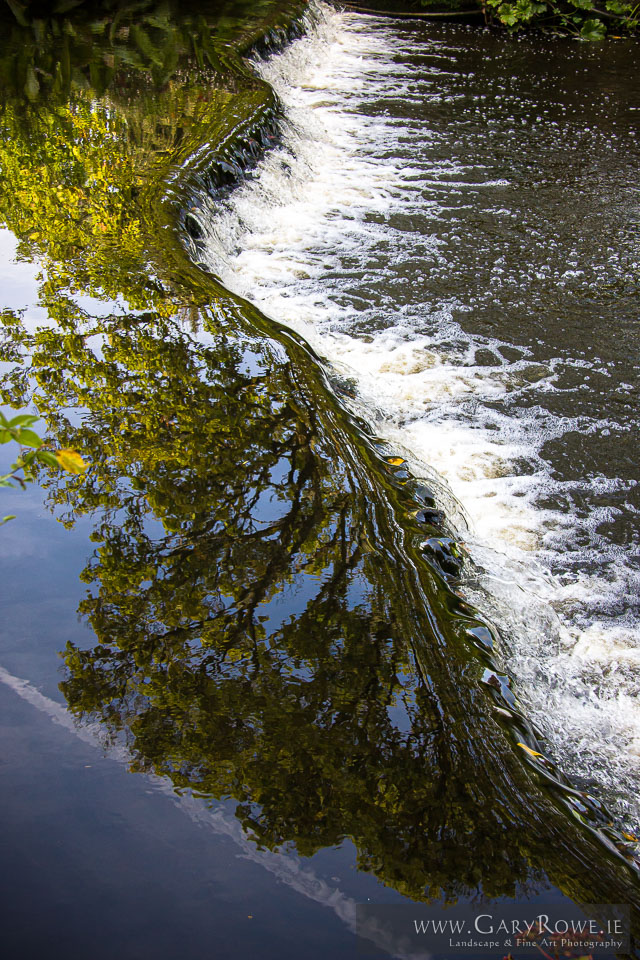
(451,219)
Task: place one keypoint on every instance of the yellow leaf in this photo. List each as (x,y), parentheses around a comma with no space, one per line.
(630,836)
(533,753)
(395,461)
(70,461)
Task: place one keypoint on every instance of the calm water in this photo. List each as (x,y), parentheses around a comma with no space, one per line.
(251,676)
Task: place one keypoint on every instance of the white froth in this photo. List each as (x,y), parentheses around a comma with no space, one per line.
(290,237)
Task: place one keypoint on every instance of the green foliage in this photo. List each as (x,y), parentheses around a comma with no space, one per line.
(593,30)
(522,11)
(584,19)
(273,621)
(18,429)
(24,469)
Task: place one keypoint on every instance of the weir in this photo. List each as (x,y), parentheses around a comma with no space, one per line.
(359,232)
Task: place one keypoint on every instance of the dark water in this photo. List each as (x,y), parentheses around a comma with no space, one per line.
(243,686)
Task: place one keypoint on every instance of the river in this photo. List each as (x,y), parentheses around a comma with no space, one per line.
(452,222)
(344,610)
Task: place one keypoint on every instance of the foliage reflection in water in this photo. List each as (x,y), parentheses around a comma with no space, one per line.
(276,602)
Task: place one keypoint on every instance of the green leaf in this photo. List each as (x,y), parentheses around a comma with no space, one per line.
(3,420)
(23,420)
(45,456)
(29,439)
(593,30)
(5,436)
(9,516)
(619,7)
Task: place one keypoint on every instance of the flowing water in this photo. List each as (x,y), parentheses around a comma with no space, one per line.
(451,219)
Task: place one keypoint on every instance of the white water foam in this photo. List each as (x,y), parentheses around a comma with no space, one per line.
(301,238)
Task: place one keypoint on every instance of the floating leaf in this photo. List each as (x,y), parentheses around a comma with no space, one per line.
(532,753)
(9,516)
(70,461)
(395,461)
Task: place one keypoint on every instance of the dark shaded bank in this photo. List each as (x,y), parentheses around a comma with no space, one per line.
(587,20)
(457,11)
(276,606)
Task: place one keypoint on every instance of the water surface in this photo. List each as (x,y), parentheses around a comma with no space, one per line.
(250,679)
(453,222)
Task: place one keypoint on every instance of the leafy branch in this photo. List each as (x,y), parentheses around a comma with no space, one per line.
(32,453)
(581,18)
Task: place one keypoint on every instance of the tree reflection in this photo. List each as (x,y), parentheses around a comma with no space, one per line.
(266,625)
(101,120)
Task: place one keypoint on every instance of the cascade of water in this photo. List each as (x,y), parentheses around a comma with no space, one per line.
(389,230)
